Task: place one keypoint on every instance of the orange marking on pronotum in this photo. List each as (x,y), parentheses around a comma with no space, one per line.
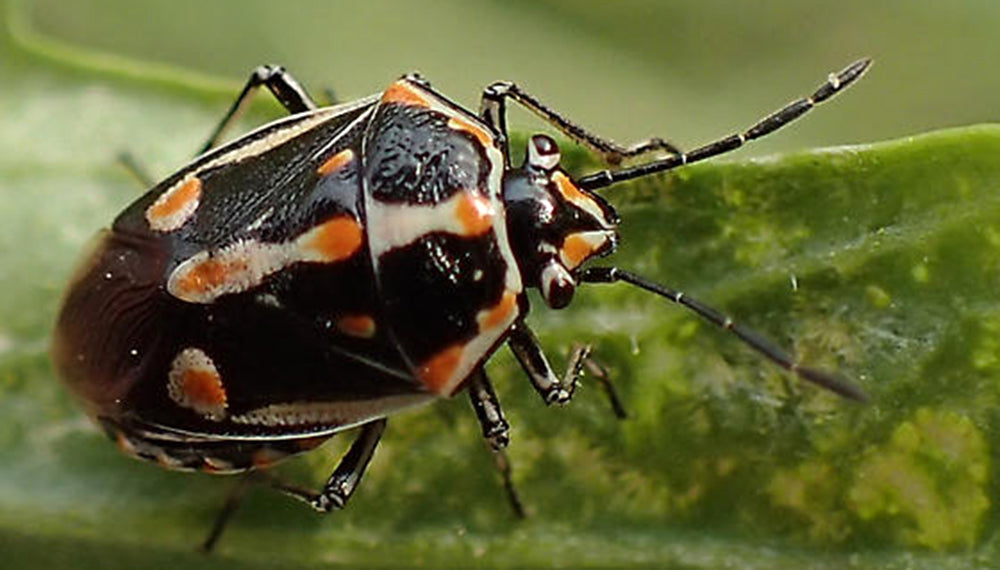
(405,94)
(334,240)
(175,206)
(500,313)
(575,250)
(360,326)
(461,124)
(475,213)
(436,373)
(336,162)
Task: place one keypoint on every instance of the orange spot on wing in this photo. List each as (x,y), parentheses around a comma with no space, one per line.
(203,388)
(174,206)
(575,250)
(209,275)
(404,93)
(195,383)
(461,124)
(475,212)
(361,326)
(500,313)
(336,162)
(334,240)
(437,372)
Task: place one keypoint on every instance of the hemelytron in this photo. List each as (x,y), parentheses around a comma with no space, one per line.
(343,263)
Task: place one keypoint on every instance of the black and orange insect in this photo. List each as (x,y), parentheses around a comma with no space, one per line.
(346,262)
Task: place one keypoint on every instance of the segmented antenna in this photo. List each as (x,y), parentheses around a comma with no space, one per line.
(752,338)
(836,83)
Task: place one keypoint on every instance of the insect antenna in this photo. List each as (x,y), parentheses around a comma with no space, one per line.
(752,338)
(835,83)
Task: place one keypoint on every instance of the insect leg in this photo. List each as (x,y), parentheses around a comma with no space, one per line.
(529,354)
(285,88)
(601,375)
(503,465)
(835,83)
(488,411)
(752,338)
(344,480)
(279,82)
(330,97)
(495,430)
(136,169)
(228,509)
(493,110)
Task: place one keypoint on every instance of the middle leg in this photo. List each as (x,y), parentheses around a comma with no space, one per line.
(495,431)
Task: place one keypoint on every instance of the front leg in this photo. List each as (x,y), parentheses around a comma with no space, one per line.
(493,110)
(529,354)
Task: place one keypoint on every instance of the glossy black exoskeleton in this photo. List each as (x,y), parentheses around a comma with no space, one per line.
(343,263)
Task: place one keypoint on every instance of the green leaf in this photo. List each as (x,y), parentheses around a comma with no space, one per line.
(880,261)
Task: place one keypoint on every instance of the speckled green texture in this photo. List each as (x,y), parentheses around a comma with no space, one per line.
(880,261)
(932,477)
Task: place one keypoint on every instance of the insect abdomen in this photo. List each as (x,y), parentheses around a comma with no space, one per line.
(111,326)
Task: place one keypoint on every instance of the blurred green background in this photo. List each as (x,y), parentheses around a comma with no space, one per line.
(628,68)
(725,462)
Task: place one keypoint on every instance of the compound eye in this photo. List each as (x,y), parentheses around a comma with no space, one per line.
(543,152)
(557,286)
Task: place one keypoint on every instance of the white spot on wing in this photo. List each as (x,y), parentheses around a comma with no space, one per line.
(244,264)
(205,276)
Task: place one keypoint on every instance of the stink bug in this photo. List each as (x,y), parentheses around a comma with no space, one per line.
(346,262)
